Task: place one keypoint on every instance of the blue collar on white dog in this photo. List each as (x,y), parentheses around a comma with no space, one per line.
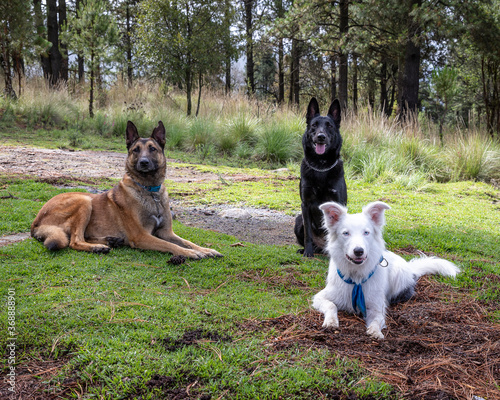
(358,298)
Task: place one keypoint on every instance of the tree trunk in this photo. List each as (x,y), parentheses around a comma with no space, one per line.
(281,73)
(249,46)
(91,100)
(63,74)
(355,82)
(19,70)
(54,62)
(333,78)
(296,71)
(227,45)
(8,90)
(80,58)
(188,91)
(200,84)
(343,68)
(281,66)
(410,78)
(129,45)
(384,100)
(40,30)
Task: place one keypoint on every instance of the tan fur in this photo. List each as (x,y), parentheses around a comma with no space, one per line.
(128,214)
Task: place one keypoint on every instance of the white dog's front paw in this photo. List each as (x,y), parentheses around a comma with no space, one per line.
(374,332)
(331,321)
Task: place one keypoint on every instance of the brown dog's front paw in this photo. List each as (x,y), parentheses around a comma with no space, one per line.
(101,249)
(213,253)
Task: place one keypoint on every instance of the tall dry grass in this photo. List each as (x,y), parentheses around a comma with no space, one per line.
(376,148)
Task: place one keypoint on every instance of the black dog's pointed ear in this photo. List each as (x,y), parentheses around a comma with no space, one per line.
(312,110)
(159,134)
(335,113)
(132,134)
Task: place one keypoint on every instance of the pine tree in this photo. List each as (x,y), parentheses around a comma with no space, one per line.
(92,33)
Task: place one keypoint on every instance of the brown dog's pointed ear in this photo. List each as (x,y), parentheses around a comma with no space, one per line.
(132,134)
(312,110)
(335,113)
(159,134)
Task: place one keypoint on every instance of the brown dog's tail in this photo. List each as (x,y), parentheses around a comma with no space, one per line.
(52,236)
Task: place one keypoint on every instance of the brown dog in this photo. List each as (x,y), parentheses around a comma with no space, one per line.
(134,213)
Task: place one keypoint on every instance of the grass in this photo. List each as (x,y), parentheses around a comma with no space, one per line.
(110,317)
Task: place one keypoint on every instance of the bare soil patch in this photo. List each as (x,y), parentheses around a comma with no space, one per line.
(31,381)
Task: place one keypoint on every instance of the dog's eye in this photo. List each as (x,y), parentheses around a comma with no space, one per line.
(152,148)
(346,233)
(315,125)
(136,149)
(366,233)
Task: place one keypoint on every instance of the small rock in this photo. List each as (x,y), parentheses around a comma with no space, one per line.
(236,213)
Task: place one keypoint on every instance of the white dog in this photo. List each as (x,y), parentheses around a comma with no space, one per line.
(363,276)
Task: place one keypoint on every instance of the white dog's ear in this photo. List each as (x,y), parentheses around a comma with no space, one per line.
(333,212)
(375,212)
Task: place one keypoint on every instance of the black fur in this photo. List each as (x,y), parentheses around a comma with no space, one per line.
(321,175)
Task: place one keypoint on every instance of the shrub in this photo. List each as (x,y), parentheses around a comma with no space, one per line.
(277,144)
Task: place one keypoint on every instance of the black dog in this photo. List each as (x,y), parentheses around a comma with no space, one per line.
(321,175)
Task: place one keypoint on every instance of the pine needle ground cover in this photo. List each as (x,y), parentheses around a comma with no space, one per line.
(135,324)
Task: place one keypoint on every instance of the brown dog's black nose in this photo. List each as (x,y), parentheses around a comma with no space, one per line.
(144,163)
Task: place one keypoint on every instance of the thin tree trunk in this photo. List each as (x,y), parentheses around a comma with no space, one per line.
(200,84)
(333,78)
(281,73)
(188,91)
(355,82)
(343,67)
(281,51)
(91,100)
(384,100)
(296,71)
(129,46)
(227,46)
(80,58)
(249,46)
(63,74)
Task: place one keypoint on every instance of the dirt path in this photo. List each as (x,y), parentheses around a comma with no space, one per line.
(248,224)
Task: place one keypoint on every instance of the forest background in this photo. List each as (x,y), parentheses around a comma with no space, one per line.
(429,69)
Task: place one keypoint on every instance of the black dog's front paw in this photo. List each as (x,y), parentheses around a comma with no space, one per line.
(300,251)
(114,242)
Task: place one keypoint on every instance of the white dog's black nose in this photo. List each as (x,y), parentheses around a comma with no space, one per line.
(358,251)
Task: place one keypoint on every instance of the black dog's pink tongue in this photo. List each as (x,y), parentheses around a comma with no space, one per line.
(320,148)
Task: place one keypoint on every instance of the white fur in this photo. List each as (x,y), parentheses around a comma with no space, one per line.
(355,245)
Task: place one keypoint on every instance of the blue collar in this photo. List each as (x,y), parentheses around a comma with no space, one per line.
(151,189)
(358,298)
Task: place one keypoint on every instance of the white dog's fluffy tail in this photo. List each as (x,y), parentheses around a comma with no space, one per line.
(432,265)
